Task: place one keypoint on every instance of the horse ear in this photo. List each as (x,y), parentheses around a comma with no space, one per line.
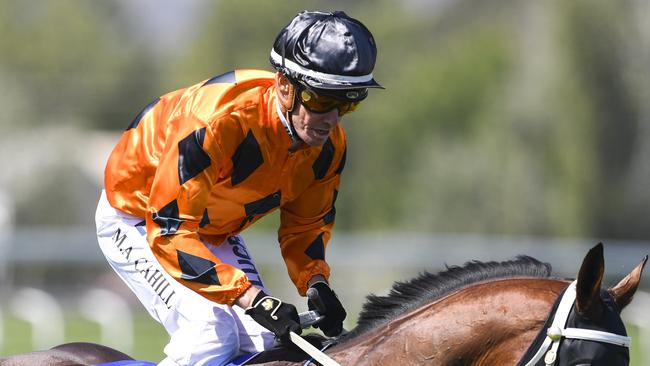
(625,289)
(590,278)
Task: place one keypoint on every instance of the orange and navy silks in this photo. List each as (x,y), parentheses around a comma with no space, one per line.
(203,163)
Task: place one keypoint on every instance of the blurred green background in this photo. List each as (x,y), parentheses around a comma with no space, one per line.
(499,119)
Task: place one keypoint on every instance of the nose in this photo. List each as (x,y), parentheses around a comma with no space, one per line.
(332,118)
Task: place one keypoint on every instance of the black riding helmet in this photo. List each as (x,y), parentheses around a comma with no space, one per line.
(329,53)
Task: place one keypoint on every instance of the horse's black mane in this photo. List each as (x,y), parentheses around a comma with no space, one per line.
(410,295)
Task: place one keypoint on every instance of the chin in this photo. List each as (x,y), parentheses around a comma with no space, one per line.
(314,142)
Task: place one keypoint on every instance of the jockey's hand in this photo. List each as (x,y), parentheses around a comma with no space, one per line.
(330,307)
(277,316)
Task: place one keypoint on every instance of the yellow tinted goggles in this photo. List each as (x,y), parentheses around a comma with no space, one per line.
(324,103)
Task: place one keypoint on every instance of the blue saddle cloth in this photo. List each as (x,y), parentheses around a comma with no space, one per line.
(237,361)
(127,363)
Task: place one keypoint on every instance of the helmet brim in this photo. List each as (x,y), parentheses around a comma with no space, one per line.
(318,84)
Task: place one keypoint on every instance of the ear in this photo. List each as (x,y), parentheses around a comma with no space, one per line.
(590,277)
(624,290)
(285,91)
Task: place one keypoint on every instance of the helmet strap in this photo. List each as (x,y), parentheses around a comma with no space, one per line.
(287,99)
(297,141)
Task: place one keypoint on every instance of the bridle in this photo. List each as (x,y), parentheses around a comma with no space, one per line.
(557,330)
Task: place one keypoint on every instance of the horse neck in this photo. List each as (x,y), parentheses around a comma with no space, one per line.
(490,323)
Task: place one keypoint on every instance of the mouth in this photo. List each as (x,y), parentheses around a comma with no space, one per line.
(320,132)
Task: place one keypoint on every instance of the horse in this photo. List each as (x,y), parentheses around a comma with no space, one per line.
(481,313)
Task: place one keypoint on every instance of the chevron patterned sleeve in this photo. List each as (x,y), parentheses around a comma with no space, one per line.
(307,222)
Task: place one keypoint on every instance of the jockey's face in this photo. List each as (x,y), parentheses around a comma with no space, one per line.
(313,128)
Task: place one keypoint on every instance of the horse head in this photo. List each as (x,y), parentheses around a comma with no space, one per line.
(599,310)
(584,327)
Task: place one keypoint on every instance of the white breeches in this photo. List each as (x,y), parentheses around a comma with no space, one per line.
(201,332)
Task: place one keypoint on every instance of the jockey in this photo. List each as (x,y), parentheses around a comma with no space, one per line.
(201,164)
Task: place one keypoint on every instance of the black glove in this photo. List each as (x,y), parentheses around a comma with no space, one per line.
(277,316)
(330,307)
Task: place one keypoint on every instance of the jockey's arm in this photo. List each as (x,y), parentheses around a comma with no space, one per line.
(245,300)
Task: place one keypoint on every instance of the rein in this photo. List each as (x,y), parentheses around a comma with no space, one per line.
(556,331)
